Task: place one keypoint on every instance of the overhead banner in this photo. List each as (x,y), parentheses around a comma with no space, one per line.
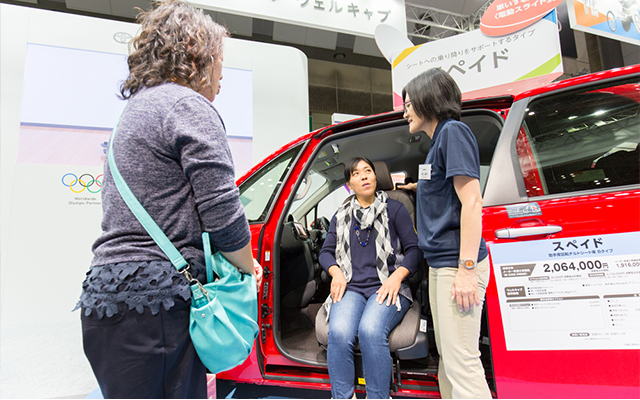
(356,17)
(505,16)
(477,61)
(619,20)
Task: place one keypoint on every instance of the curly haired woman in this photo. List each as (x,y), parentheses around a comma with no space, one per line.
(172,151)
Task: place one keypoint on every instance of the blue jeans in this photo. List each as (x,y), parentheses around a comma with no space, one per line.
(355,317)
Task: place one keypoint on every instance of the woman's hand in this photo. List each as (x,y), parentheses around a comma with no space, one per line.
(257,272)
(465,289)
(391,286)
(409,186)
(338,283)
(465,285)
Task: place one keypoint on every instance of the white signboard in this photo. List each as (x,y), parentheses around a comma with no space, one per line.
(577,293)
(478,61)
(356,17)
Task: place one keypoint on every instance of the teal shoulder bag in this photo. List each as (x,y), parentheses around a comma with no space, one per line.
(224,312)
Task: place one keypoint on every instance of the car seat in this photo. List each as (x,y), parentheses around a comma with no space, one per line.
(385,182)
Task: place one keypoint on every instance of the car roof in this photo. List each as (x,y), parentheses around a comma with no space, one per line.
(580,80)
(543,84)
(497,98)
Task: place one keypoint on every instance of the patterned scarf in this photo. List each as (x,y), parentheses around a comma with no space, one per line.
(374,217)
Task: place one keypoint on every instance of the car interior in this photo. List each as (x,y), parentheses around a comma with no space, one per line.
(302,285)
(597,146)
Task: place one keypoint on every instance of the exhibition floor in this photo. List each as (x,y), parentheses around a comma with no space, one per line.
(222,390)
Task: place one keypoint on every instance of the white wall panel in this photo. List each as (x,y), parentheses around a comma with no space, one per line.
(46,241)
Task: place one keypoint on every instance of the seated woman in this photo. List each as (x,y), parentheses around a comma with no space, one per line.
(363,253)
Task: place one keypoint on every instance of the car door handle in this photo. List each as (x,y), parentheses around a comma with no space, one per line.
(510,233)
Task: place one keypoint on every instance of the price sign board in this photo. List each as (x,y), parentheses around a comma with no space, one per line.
(576,293)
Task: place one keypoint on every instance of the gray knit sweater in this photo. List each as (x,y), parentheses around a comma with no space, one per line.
(171,149)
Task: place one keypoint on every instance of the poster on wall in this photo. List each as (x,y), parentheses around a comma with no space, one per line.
(575,293)
(477,61)
(64,124)
(614,19)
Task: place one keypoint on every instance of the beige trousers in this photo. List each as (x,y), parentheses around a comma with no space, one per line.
(460,372)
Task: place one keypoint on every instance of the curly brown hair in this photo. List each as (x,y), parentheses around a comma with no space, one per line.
(176,43)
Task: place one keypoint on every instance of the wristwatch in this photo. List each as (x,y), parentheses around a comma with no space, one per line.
(467,263)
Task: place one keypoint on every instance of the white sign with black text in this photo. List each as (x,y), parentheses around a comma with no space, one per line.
(577,293)
(356,17)
(477,61)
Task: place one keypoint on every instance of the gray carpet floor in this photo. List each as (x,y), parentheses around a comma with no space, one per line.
(298,333)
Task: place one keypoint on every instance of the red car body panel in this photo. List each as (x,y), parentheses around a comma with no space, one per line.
(562,374)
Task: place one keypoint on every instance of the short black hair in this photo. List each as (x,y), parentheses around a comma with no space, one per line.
(434,95)
(353,163)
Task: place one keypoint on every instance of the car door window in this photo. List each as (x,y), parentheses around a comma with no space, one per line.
(313,187)
(258,192)
(582,140)
(486,127)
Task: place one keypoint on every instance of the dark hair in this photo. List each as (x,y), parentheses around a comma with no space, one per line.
(434,95)
(353,163)
(176,43)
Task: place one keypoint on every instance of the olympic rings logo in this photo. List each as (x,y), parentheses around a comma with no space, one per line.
(84,181)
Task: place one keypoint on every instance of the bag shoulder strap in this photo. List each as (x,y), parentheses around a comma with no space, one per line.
(206,243)
(141,214)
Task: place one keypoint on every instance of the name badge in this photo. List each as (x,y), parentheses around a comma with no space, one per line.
(424,171)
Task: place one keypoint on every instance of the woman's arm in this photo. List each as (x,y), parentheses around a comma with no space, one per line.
(465,285)
(243,260)
(409,186)
(406,232)
(327,259)
(390,288)
(338,283)
(200,142)
(412,260)
(327,255)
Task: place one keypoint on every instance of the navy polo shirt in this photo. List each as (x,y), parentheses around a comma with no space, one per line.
(454,152)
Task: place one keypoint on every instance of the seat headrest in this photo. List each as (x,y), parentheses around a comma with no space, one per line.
(383,176)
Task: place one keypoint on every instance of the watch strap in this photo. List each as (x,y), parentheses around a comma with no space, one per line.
(468,263)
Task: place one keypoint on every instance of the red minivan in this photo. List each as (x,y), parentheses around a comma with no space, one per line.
(561,186)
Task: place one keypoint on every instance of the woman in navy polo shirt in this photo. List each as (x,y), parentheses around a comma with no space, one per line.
(449,222)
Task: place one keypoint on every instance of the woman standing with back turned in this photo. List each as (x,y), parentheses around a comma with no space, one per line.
(172,151)
(449,222)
